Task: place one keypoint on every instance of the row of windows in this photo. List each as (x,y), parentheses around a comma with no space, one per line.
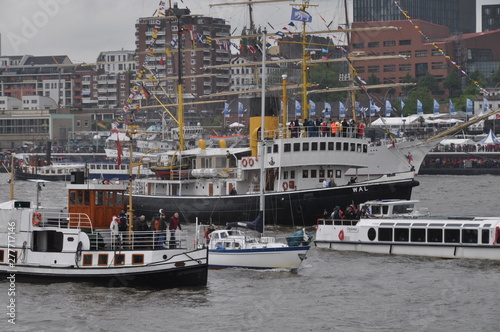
(320,174)
(101,198)
(119,259)
(386,43)
(323,146)
(433,235)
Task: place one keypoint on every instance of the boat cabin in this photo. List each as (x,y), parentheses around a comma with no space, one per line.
(99,201)
(227,239)
(394,208)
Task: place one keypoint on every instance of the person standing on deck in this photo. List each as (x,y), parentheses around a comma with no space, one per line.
(174,224)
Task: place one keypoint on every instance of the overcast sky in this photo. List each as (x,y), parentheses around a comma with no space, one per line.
(82,29)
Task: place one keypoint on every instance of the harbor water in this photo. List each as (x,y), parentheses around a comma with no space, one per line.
(332,291)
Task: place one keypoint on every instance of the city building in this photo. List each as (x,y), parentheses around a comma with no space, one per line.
(467,51)
(458,15)
(489,15)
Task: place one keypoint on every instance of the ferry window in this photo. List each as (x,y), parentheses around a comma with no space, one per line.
(365,148)
(287,147)
(110,198)
(418,235)
(99,198)
(403,208)
(305,173)
(305,146)
(469,236)
(338,146)
(338,173)
(296,146)
(401,234)
(119,199)
(80,198)
(314,146)
(314,173)
(1,255)
(285,175)
(322,173)
(372,234)
(330,146)
(292,174)
(137,259)
(346,146)
(330,173)
(102,260)
(120,259)
(353,147)
(87,260)
(485,236)
(322,146)
(269,149)
(86,198)
(72,198)
(451,235)
(435,235)
(358,148)
(385,234)
(276,148)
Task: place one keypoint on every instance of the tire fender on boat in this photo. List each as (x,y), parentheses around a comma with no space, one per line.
(341,235)
(36,219)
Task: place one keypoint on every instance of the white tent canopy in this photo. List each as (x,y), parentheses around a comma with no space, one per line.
(490,139)
(457,141)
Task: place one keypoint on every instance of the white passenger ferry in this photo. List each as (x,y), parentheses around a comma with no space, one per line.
(458,237)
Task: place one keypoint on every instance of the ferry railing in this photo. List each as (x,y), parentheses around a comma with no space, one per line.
(337,222)
(140,240)
(64,220)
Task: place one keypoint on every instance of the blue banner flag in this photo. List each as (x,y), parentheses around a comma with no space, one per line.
(300,15)
(452,109)
(226,110)
(312,107)
(469,108)
(436,107)
(372,108)
(485,105)
(420,109)
(298,108)
(240,109)
(341,110)
(388,108)
(328,110)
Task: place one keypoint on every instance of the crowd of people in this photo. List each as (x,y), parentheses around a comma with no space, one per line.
(351,212)
(326,128)
(152,234)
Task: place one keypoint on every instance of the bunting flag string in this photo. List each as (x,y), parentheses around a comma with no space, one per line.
(443,53)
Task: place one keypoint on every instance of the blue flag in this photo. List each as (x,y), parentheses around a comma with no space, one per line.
(312,107)
(388,108)
(452,109)
(341,110)
(485,105)
(226,110)
(300,15)
(358,107)
(372,108)
(469,108)
(240,109)
(328,110)
(298,108)
(402,106)
(420,109)
(436,107)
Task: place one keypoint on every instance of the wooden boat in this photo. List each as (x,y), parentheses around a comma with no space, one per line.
(77,245)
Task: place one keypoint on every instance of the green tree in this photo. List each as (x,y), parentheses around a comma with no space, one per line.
(326,76)
(452,82)
(408,79)
(428,81)
(421,94)
(373,80)
(495,78)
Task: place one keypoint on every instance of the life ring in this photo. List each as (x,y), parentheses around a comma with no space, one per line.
(341,235)
(250,162)
(244,163)
(36,219)
(285,185)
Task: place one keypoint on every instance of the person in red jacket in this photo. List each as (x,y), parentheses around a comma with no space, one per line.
(174,224)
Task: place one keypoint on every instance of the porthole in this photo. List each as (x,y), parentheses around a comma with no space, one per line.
(372,234)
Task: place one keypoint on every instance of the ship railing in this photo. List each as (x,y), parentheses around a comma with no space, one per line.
(337,222)
(141,240)
(65,220)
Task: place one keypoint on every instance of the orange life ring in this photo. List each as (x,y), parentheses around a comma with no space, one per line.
(285,185)
(244,163)
(341,235)
(250,162)
(36,219)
